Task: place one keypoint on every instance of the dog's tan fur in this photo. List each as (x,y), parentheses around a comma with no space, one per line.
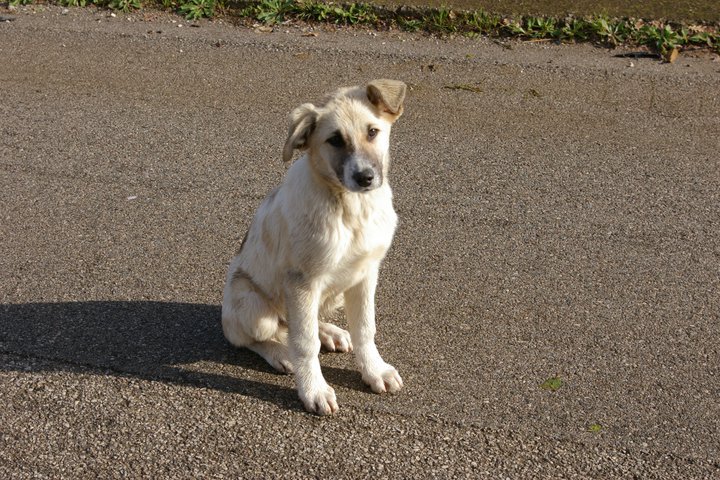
(318,240)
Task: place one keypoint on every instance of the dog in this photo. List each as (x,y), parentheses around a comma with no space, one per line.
(317,242)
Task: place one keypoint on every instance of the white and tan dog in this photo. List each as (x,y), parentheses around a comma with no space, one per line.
(317,239)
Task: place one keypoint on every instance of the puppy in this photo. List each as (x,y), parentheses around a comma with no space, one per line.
(317,241)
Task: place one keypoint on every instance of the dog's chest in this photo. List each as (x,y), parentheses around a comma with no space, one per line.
(357,242)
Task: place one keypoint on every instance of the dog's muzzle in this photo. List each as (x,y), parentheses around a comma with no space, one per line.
(364,178)
(360,175)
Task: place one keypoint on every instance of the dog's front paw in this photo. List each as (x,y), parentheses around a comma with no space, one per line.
(383,379)
(321,401)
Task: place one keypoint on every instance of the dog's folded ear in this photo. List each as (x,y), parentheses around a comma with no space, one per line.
(387,96)
(302,124)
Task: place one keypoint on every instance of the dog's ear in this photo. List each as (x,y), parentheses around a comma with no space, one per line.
(302,124)
(387,96)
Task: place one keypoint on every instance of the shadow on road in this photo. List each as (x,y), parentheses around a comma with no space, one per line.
(149,340)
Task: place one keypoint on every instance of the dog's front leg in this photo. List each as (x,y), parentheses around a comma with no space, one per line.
(360,310)
(303,303)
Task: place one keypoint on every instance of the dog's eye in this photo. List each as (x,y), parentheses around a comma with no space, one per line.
(336,140)
(372,132)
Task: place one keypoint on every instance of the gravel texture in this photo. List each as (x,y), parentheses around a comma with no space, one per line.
(558,219)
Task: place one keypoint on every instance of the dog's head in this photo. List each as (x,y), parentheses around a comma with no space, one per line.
(347,138)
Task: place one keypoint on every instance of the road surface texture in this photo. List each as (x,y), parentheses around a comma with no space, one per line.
(687,10)
(559,215)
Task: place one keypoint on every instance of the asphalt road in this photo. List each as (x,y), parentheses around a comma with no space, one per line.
(559,215)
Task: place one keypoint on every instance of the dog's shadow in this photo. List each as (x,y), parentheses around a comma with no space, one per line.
(149,340)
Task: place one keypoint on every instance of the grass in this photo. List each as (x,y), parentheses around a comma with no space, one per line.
(272,12)
(553,384)
(195,9)
(665,39)
(595,428)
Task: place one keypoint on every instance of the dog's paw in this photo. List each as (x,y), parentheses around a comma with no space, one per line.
(383,379)
(320,401)
(275,353)
(282,365)
(335,339)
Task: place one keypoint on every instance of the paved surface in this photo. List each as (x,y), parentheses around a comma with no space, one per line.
(559,220)
(687,10)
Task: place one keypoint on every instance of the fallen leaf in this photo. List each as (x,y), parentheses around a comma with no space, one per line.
(672,55)
(264,29)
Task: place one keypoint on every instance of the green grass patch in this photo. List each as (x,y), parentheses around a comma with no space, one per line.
(553,384)
(665,39)
(196,9)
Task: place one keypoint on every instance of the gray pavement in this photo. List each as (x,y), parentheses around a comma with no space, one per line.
(558,219)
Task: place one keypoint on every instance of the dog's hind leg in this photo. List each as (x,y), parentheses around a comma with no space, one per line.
(275,353)
(248,321)
(334,338)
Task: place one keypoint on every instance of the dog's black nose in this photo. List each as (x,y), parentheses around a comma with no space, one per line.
(364,178)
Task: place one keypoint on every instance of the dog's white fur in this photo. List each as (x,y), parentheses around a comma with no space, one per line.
(318,239)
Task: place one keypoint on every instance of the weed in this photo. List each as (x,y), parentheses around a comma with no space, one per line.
(701,38)
(609,32)
(273,11)
(574,30)
(664,39)
(442,20)
(513,28)
(319,12)
(196,9)
(357,13)
(124,5)
(552,384)
(409,24)
(73,3)
(537,27)
(481,21)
